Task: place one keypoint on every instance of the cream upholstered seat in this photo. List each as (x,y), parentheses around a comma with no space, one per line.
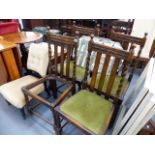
(37,61)
(12,91)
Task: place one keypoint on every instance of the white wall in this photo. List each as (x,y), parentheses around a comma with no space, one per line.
(142,26)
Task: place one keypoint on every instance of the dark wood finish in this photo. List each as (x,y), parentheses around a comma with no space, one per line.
(124,27)
(148,129)
(113,75)
(62,61)
(37,22)
(103,73)
(125,39)
(108,52)
(68,44)
(95,71)
(86,30)
(152,50)
(72,29)
(129,42)
(100,49)
(75,30)
(68,63)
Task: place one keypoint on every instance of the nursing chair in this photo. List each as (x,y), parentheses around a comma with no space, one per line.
(90,109)
(68,48)
(37,63)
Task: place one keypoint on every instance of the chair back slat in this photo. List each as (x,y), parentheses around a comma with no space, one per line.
(62,61)
(105,78)
(95,70)
(152,50)
(68,61)
(103,73)
(123,75)
(124,27)
(125,40)
(85,30)
(64,49)
(56,57)
(112,76)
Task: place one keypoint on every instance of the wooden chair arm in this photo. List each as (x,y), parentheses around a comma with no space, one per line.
(45,102)
(36,97)
(39,81)
(42,80)
(63,95)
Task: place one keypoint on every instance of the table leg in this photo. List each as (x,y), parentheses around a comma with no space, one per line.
(3,72)
(24,52)
(11,64)
(18,59)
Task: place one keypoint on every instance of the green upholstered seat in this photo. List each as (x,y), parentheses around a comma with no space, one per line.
(115,85)
(79,71)
(90,110)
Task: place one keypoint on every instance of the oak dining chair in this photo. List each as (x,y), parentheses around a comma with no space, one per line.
(80,31)
(85,30)
(68,48)
(124,27)
(129,42)
(91,109)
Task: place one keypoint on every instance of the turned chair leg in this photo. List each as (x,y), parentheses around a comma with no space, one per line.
(46,89)
(23,113)
(57,123)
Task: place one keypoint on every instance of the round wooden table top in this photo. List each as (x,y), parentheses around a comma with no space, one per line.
(22,37)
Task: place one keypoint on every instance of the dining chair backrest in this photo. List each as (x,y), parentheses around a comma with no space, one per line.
(85,30)
(64,50)
(38,58)
(124,27)
(119,56)
(127,40)
(152,50)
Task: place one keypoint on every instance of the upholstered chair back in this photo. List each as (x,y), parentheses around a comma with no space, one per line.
(38,58)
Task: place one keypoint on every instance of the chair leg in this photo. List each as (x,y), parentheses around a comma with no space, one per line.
(57,123)
(23,113)
(74,90)
(117,106)
(8,103)
(53,87)
(79,85)
(46,89)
